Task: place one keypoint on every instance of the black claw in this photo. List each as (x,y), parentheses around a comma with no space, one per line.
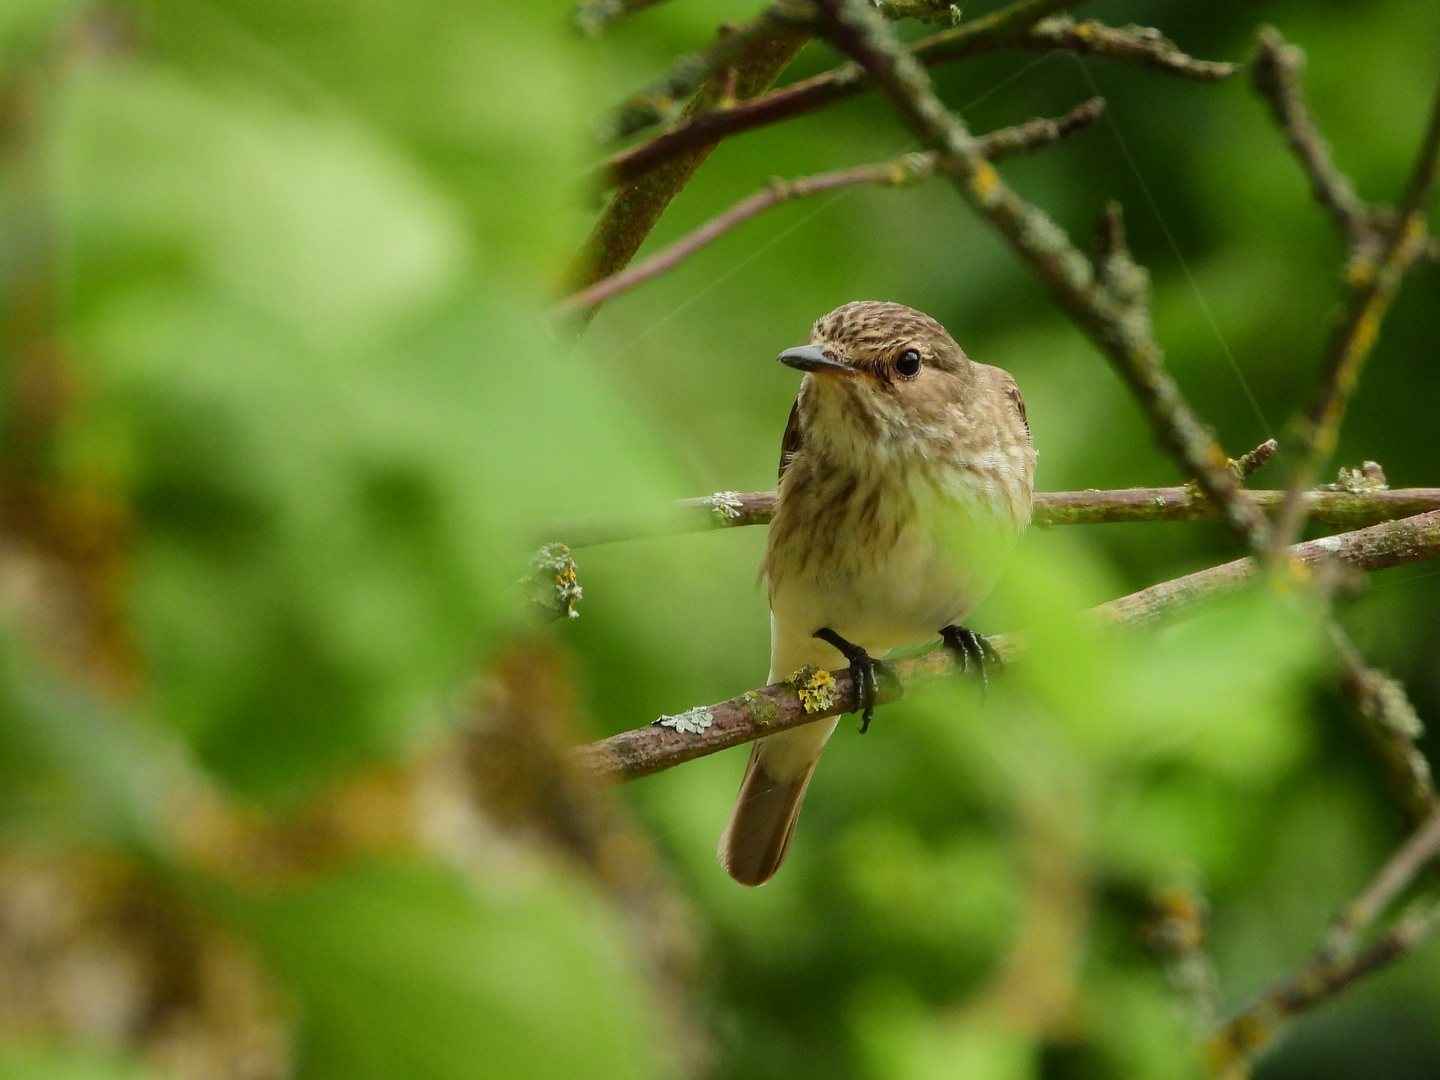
(863,668)
(969,646)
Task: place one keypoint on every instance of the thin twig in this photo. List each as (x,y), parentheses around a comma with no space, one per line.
(1335,964)
(912,168)
(770,709)
(1390,721)
(660,101)
(921,10)
(734,509)
(1138,44)
(1275,73)
(1010,27)
(634,209)
(594,17)
(1373,279)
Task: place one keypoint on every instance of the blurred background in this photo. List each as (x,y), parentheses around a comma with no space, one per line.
(284,418)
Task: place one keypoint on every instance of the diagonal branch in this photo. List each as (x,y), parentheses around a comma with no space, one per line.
(705,730)
(634,209)
(1275,72)
(1108,298)
(660,101)
(1390,722)
(733,509)
(1014,27)
(1336,964)
(594,17)
(909,169)
(1374,276)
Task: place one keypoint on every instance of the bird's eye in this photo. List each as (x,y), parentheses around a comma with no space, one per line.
(908,363)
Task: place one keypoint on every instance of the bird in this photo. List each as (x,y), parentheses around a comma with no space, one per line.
(906,478)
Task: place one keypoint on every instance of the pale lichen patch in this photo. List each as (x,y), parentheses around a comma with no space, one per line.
(690,722)
(725,504)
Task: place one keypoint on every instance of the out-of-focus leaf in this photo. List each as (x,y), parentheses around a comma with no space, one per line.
(404,971)
(20,1061)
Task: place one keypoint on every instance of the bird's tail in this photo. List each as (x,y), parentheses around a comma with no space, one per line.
(755,841)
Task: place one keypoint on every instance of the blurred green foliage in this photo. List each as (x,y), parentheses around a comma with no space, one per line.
(301,256)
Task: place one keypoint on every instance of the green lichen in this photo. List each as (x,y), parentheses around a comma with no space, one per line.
(761,709)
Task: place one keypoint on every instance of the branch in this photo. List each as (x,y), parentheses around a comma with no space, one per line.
(1389,719)
(732,509)
(1275,73)
(921,10)
(634,209)
(659,102)
(1138,44)
(1010,27)
(1335,965)
(594,17)
(1374,277)
(1108,298)
(910,169)
(705,730)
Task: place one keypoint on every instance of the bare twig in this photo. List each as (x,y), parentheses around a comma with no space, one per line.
(660,101)
(1108,298)
(634,209)
(734,509)
(1010,27)
(594,17)
(1138,44)
(1392,725)
(767,710)
(1374,277)
(912,168)
(1275,72)
(922,10)
(1336,964)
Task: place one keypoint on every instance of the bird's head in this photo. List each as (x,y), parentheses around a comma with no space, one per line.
(881,373)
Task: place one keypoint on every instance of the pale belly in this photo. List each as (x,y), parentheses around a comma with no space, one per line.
(886,589)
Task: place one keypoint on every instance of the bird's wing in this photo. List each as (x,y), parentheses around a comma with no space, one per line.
(790,443)
(1019,404)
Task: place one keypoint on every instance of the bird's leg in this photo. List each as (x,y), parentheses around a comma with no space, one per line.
(863,667)
(969,647)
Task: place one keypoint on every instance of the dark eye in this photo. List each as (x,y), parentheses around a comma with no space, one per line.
(908,363)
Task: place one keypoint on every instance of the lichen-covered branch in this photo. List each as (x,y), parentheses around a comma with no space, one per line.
(909,169)
(1336,964)
(705,730)
(735,509)
(633,210)
(660,101)
(1390,721)
(594,17)
(1275,72)
(1137,44)
(1379,258)
(1014,26)
(1108,298)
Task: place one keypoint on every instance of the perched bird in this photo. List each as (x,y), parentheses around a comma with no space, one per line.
(906,474)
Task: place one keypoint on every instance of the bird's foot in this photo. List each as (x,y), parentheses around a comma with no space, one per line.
(863,668)
(972,648)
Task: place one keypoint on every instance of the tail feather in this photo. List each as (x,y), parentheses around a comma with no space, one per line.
(755,841)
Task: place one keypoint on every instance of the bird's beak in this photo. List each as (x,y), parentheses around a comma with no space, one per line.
(812,358)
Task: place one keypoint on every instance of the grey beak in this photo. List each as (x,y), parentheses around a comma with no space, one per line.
(812,358)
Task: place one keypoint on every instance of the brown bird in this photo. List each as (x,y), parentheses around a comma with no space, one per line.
(906,474)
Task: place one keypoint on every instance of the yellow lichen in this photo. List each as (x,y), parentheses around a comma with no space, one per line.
(815,687)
